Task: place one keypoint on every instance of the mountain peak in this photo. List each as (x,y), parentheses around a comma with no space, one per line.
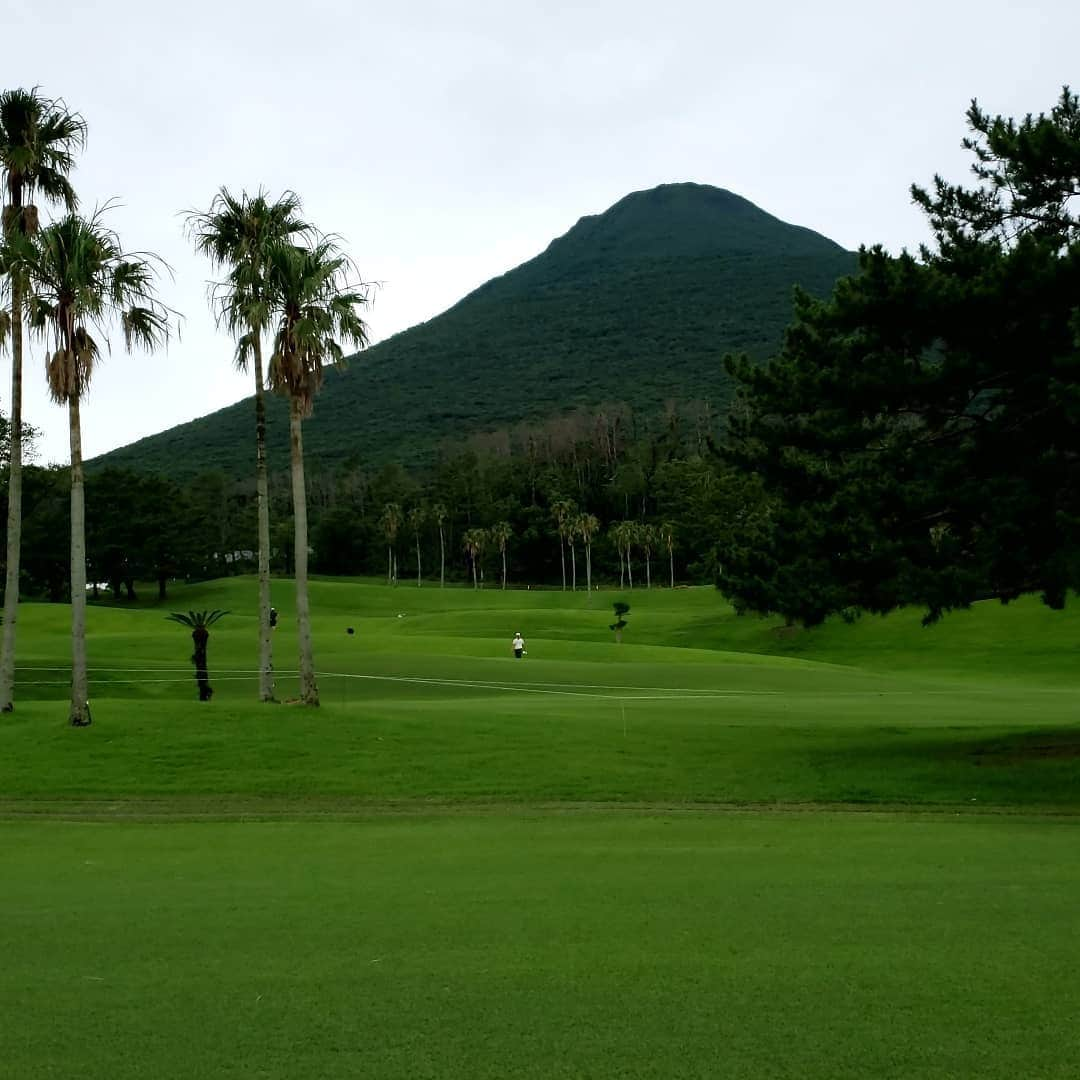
(688,219)
(637,304)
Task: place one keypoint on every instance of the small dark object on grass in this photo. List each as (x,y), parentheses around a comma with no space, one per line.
(349,630)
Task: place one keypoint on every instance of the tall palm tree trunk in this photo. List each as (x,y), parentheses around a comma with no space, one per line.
(671,560)
(389,565)
(562,559)
(648,570)
(588,569)
(266,634)
(573,566)
(80,693)
(309,691)
(504,567)
(419,579)
(14,534)
(622,571)
(442,559)
(629,569)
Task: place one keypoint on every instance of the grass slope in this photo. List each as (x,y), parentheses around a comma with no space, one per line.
(447,871)
(637,304)
(424,702)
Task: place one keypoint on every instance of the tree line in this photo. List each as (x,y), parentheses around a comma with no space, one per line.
(595,496)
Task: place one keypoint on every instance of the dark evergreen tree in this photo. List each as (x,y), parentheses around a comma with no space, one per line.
(916,436)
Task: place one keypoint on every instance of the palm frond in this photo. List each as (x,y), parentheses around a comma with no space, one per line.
(80,279)
(317,311)
(196,618)
(236,233)
(39,137)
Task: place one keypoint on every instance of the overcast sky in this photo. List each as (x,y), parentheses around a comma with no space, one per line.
(448,142)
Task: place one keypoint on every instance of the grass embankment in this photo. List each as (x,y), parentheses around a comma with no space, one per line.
(697,706)
(449,929)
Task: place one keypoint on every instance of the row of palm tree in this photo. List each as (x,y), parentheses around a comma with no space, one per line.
(391,521)
(72,282)
(285,278)
(476,541)
(628,535)
(38,142)
(571,527)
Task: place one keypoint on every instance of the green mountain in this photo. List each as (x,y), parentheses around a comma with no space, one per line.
(636,305)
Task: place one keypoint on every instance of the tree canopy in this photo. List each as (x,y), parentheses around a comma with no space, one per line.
(918,435)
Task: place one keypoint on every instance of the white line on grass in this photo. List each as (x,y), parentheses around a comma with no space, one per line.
(674,693)
(634,693)
(134,682)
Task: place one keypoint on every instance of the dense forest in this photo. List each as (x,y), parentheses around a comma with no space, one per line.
(661,499)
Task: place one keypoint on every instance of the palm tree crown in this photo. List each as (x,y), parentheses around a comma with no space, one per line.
(238,233)
(39,138)
(81,279)
(315,309)
(197,619)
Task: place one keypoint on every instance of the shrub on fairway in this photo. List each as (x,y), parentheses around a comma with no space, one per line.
(200,622)
(621,609)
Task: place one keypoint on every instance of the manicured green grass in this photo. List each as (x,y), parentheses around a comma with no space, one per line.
(589,945)
(467,866)
(431,706)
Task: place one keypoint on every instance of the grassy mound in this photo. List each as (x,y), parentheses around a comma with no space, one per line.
(425,703)
(599,861)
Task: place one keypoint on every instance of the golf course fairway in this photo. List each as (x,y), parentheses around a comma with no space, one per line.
(721,848)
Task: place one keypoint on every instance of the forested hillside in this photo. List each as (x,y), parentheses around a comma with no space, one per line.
(636,305)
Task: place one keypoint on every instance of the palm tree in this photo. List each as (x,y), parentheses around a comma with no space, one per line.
(646,538)
(587,528)
(667,538)
(417,518)
(616,536)
(391,523)
(200,623)
(38,141)
(473,542)
(561,511)
(623,533)
(438,512)
(500,534)
(571,536)
(237,233)
(315,309)
(79,279)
